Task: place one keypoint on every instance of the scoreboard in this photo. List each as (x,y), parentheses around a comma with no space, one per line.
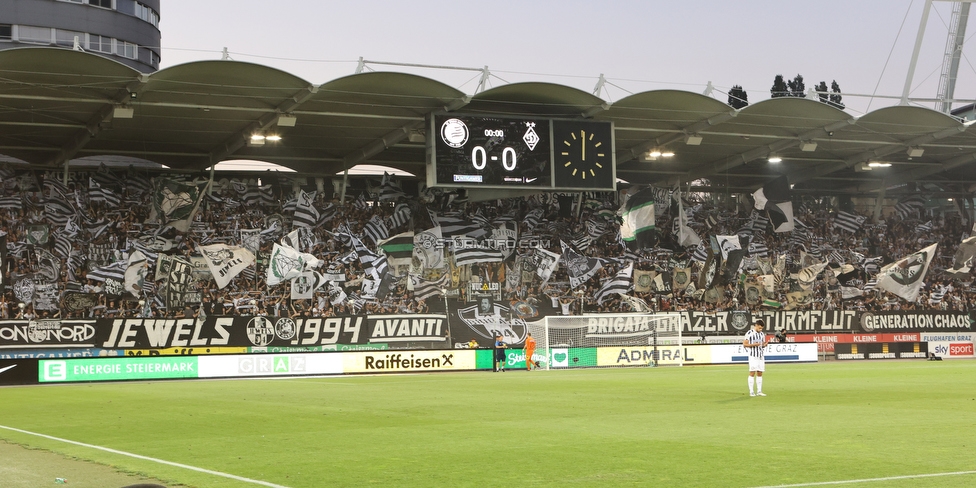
(486,151)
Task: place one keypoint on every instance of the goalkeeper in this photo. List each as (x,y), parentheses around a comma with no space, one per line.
(529,351)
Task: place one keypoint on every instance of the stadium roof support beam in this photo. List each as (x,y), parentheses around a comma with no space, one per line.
(95,122)
(700,126)
(762,151)
(917,173)
(826,169)
(388,140)
(263,123)
(394,137)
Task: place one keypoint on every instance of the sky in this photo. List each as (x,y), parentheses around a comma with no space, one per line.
(865,45)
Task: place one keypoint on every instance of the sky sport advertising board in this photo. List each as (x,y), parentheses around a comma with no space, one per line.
(950,345)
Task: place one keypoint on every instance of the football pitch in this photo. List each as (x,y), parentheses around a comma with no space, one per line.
(877,424)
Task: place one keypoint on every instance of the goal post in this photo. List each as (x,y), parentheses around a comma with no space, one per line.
(608,340)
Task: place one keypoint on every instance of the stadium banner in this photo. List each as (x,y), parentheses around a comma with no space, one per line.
(950,346)
(21,371)
(407,361)
(325,348)
(469,322)
(920,321)
(780,352)
(738,322)
(881,350)
(269,365)
(400,331)
(45,333)
(81,352)
(646,355)
(184,351)
(117,369)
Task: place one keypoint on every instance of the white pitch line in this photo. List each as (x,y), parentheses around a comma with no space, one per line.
(147,458)
(870,480)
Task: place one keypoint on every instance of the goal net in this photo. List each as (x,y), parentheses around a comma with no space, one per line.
(608,340)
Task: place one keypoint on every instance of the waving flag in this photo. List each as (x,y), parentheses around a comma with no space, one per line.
(774,197)
(637,229)
(904,277)
(621,283)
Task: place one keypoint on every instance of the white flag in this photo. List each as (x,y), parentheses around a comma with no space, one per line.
(226,262)
(287,263)
(904,277)
(135,273)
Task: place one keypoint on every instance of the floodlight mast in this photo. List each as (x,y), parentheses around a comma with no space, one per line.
(950,64)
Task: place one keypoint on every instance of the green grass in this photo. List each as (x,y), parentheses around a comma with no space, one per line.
(692,426)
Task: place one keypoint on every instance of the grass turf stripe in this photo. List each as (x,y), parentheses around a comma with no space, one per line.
(147,458)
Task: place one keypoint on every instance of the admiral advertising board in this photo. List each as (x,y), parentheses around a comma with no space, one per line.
(648,355)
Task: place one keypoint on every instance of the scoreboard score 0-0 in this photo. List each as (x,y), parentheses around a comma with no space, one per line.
(485,151)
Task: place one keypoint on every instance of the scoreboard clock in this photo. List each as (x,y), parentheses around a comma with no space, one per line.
(583,154)
(489,151)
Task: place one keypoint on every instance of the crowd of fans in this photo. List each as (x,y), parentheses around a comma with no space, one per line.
(585,223)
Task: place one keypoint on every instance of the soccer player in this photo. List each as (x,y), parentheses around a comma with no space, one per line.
(755,344)
(500,353)
(529,351)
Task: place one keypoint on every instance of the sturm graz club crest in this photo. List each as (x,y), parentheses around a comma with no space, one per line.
(739,320)
(681,278)
(285,329)
(260,332)
(910,270)
(753,296)
(302,284)
(498,323)
(644,281)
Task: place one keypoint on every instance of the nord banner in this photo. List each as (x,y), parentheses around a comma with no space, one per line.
(47,333)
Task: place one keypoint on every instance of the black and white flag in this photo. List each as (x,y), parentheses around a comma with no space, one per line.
(580,267)
(621,283)
(305,213)
(848,222)
(774,197)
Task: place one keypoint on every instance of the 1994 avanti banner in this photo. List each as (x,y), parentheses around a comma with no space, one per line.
(428,331)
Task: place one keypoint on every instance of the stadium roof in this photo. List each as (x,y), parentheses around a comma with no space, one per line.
(58,105)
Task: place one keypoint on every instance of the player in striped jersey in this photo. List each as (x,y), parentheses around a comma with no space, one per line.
(755,344)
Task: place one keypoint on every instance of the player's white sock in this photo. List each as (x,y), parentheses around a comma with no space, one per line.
(758,384)
(751,381)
